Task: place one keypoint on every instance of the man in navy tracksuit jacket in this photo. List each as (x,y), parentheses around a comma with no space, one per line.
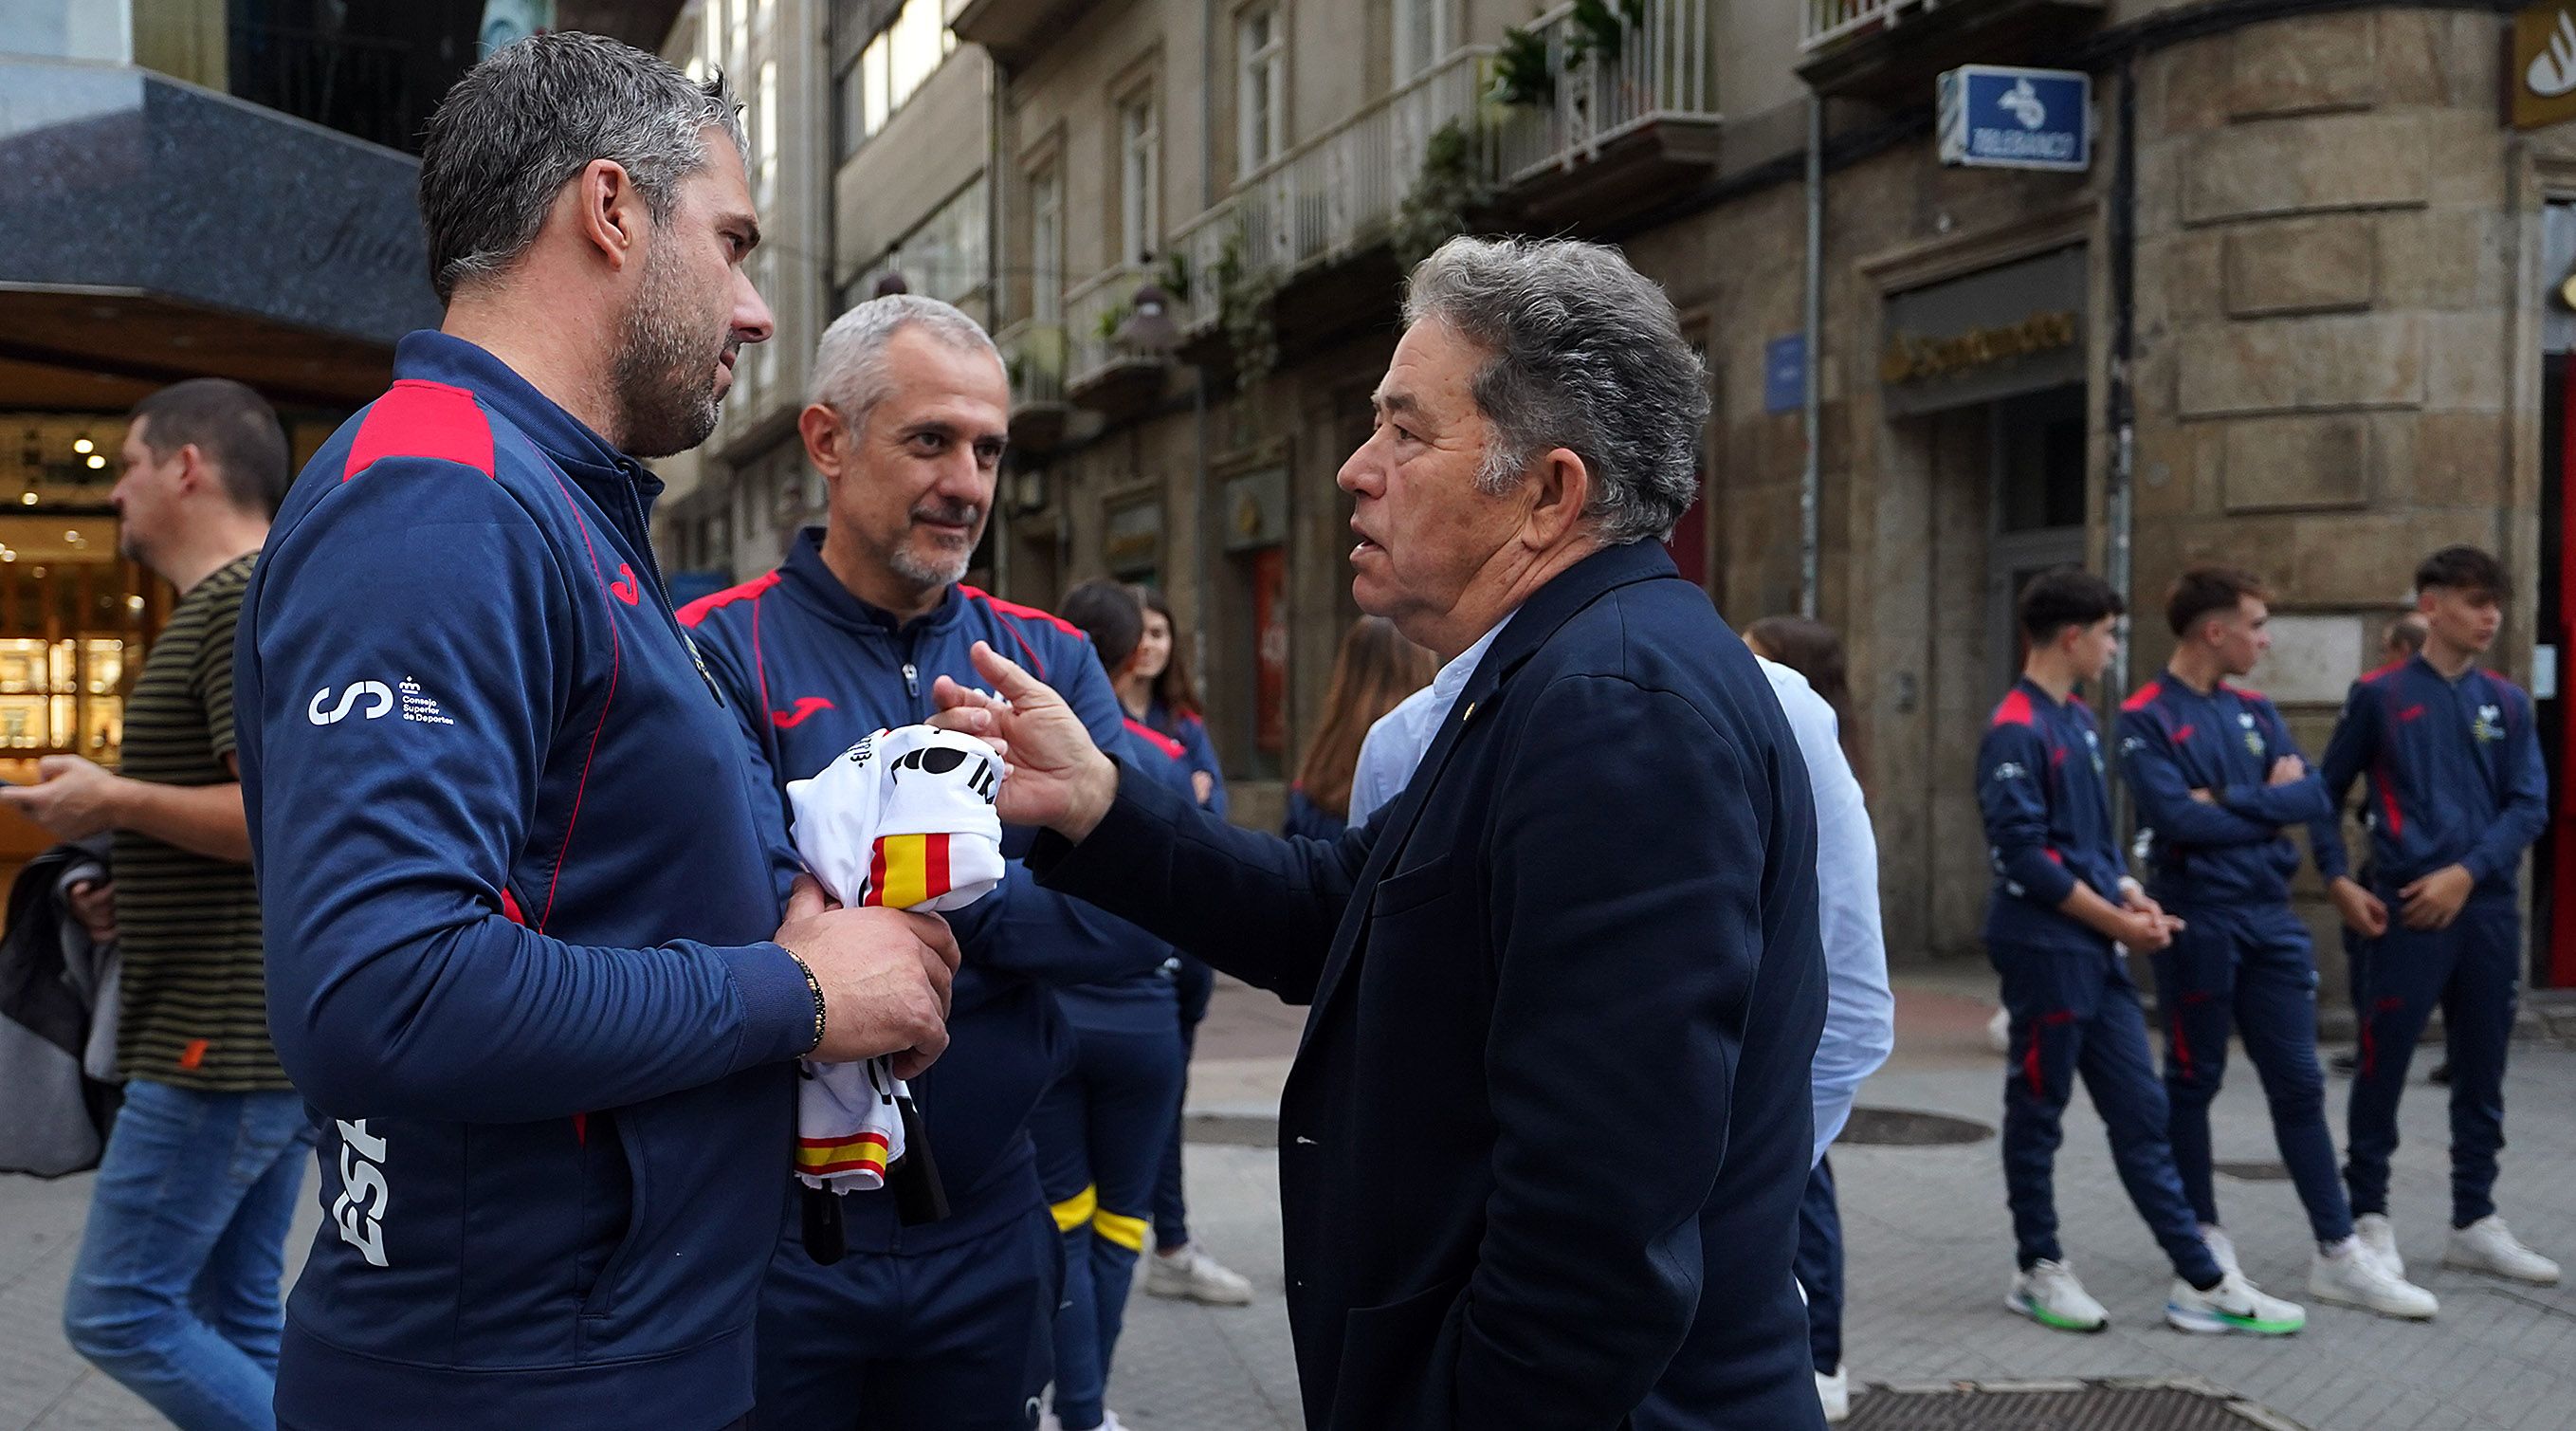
(2061,898)
(2458,792)
(518,917)
(944,1325)
(2217,775)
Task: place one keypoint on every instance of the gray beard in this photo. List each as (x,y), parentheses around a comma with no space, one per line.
(665,408)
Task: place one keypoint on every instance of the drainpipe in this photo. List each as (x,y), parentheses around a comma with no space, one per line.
(997,81)
(2118,498)
(1203,583)
(1811,481)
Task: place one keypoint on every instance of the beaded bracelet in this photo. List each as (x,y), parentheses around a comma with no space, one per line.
(815,987)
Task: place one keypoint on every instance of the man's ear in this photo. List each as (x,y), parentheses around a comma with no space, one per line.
(1557,492)
(608,211)
(193,470)
(827,439)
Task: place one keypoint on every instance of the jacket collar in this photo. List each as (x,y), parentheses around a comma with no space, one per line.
(814,584)
(565,440)
(1556,603)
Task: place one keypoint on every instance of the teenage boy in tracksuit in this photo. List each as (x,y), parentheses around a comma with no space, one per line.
(944,1326)
(2217,777)
(2458,793)
(2061,903)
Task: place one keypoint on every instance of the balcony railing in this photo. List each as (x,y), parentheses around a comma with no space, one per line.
(1831,21)
(1033,354)
(1335,195)
(1092,313)
(1663,67)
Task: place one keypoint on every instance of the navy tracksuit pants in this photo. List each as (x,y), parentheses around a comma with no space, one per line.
(1819,1267)
(1101,1133)
(954,1338)
(2076,1011)
(2253,970)
(2472,972)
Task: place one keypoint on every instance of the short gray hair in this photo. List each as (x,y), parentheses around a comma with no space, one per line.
(850,374)
(1587,354)
(526,119)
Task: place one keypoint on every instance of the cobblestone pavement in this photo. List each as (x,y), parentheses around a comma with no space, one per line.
(1929,1248)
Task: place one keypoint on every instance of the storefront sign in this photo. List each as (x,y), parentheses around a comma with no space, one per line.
(2543,75)
(1255,510)
(2009,330)
(1131,542)
(2003,117)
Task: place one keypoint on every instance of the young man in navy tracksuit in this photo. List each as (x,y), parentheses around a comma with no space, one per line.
(943,1325)
(520,960)
(2061,906)
(2217,777)
(2400,639)
(2459,792)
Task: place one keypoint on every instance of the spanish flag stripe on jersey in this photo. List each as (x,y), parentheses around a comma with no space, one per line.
(907,870)
(819,1156)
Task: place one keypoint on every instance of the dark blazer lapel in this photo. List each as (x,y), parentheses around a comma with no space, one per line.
(1529,628)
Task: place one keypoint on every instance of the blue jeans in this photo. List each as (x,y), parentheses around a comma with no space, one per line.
(1819,1267)
(175,1293)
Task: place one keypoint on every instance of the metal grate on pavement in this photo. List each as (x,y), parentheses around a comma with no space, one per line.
(2059,1406)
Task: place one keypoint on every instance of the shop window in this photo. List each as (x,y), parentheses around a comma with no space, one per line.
(2039,460)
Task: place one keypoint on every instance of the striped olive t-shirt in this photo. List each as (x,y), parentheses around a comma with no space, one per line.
(195,995)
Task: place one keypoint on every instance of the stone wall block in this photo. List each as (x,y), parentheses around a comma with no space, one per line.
(2289,464)
(2188,271)
(2464,361)
(2458,460)
(2287,364)
(2288,166)
(2466,154)
(2190,86)
(2412,53)
(2306,66)
(2445,258)
(2367,558)
(2321,265)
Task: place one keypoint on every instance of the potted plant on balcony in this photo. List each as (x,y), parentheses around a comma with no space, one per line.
(1521,74)
(1436,208)
(1244,297)
(1601,28)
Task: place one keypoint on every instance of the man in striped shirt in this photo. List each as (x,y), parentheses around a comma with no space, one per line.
(175,1293)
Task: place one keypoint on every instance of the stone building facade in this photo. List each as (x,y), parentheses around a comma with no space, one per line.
(2301,312)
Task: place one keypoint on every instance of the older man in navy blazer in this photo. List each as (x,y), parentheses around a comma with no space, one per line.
(1542,1150)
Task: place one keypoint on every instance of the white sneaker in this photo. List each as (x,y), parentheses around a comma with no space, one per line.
(1109,1420)
(1189,1273)
(2222,1248)
(2357,1278)
(1835,1392)
(1047,1421)
(2379,1237)
(2049,1295)
(1999,1031)
(2486,1245)
(2234,1305)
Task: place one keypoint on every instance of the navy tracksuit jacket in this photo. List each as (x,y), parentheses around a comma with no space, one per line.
(910,1322)
(2046,803)
(517,929)
(2243,959)
(2455,777)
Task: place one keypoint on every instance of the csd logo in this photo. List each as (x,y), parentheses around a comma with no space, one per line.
(376,693)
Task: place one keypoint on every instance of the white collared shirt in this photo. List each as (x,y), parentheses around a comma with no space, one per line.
(1403,735)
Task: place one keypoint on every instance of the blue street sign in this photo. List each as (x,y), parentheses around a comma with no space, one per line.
(2003,117)
(1784,373)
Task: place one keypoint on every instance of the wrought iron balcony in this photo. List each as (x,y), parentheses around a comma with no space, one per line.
(1101,373)
(1885,49)
(1034,356)
(1624,104)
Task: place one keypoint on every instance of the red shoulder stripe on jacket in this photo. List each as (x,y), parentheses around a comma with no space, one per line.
(1157,739)
(698,610)
(2141,698)
(1013,608)
(2016,710)
(422,419)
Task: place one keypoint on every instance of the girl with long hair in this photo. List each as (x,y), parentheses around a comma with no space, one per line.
(1374,671)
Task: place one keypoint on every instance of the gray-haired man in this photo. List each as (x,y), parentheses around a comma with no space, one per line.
(941,1328)
(520,921)
(1541,1156)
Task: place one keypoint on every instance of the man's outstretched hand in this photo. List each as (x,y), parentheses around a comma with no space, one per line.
(1053,776)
